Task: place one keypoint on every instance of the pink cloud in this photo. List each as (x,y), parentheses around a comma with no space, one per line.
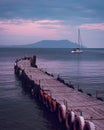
(97,26)
(31,28)
(28,27)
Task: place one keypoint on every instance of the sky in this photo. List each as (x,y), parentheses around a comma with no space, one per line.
(28,21)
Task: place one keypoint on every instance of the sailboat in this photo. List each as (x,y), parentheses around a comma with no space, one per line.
(78,50)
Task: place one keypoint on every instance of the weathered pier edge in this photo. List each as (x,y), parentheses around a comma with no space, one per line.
(75,110)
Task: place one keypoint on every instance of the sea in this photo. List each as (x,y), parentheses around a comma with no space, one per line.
(18,111)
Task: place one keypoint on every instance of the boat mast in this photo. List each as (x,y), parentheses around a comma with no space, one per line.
(79,39)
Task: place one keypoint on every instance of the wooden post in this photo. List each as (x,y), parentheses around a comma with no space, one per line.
(33,61)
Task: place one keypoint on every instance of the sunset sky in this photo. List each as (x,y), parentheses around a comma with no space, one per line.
(29,21)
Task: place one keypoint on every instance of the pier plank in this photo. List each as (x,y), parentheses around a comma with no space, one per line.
(77,101)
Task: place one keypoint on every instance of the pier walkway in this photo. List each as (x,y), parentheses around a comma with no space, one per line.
(68,99)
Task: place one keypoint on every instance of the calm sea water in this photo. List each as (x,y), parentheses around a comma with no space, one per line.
(18,111)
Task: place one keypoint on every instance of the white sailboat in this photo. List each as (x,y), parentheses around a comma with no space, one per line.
(78,50)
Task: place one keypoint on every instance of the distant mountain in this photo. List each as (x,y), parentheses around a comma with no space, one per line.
(53,44)
(48,44)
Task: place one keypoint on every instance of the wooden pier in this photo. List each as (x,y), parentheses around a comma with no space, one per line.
(75,109)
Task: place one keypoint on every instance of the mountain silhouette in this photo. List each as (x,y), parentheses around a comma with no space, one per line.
(47,44)
(53,44)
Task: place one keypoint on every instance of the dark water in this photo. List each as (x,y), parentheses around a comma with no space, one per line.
(18,111)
